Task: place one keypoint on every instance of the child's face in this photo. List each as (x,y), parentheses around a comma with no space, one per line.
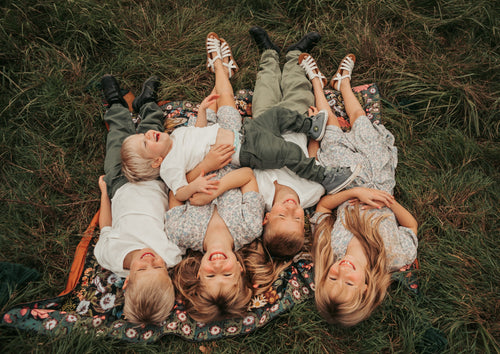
(147,264)
(346,278)
(286,215)
(152,144)
(219,271)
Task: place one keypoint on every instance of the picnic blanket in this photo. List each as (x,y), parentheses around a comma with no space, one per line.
(93,298)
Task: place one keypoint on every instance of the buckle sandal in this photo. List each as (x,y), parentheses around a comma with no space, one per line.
(346,64)
(307,62)
(225,51)
(212,44)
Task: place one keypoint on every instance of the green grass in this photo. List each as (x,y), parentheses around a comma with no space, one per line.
(436,63)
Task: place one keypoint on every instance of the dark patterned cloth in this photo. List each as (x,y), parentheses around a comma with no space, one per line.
(96,303)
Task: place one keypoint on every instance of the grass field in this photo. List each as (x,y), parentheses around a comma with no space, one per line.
(437,65)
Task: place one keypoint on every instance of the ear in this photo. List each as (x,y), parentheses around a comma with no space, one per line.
(241,267)
(125,283)
(266,219)
(364,287)
(157,162)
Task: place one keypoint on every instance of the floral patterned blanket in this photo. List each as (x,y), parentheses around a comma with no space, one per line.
(93,300)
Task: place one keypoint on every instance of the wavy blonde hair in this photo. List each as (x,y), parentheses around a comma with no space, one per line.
(149,303)
(262,269)
(366,229)
(202,306)
(135,167)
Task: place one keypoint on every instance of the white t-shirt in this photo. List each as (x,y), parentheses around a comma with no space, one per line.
(138,213)
(190,145)
(309,192)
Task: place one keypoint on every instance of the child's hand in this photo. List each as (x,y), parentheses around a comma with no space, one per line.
(102,185)
(203,184)
(218,156)
(201,198)
(372,198)
(312,111)
(209,100)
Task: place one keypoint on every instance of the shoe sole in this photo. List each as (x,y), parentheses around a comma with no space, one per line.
(348,181)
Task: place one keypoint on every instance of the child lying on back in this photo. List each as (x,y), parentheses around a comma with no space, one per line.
(258,145)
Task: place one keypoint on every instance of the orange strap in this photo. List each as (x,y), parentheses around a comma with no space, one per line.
(80,255)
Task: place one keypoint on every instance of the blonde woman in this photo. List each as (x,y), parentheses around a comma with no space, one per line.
(372,234)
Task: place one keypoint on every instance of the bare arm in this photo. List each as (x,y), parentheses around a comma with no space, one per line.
(202,184)
(404,217)
(105,209)
(368,196)
(201,121)
(241,178)
(172,202)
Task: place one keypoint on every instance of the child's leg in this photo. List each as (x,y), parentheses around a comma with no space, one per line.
(296,87)
(322,103)
(262,149)
(267,91)
(153,118)
(352,106)
(227,115)
(120,126)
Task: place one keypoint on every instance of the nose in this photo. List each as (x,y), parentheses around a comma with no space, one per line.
(333,271)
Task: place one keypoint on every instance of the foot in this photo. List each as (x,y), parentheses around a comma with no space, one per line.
(227,58)
(307,62)
(337,178)
(212,43)
(318,126)
(111,90)
(344,71)
(306,43)
(148,93)
(262,40)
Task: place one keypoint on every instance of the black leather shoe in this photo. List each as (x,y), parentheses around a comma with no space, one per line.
(306,43)
(111,90)
(262,40)
(148,93)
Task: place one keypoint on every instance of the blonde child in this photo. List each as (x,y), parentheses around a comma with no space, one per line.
(286,192)
(372,234)
(213,282)
(258,145)
(133,243)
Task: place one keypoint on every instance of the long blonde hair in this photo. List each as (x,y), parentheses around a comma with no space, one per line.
(366,229)
(262,269)
(202,306)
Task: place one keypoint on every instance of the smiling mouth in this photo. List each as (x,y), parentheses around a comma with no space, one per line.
(346,262)
(217,256)
(157,136)
(290,200)
(147,254)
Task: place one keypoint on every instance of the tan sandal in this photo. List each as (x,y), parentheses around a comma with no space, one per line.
(346,64)
(212,44)
(307,62)
(226,52)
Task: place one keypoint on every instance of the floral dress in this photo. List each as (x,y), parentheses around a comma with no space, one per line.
(372,146)
(186,224)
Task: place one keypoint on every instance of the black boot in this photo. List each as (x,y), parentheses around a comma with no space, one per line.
(306,43)
(262,40)
(111,90)
(148,93)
